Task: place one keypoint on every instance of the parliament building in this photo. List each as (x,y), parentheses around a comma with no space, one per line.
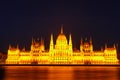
(62,52)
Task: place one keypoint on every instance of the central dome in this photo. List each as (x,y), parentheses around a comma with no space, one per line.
(61,40)
(61,37)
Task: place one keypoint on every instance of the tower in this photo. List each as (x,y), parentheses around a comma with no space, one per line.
(33,41)
(70,43)
(91,45)
(51,44)
(81,45)
(105,45)
(42,47)
(10,47)
(114,46)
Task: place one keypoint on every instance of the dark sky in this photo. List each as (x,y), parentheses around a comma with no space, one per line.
(21,20)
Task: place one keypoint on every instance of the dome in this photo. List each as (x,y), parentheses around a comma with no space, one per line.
(61,40)
(61,37)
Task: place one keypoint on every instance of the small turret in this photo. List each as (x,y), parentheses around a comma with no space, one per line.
(10,47)
(91,45)
(70,40)
(105,45)
(114,46)
(102,49)
(70,43)
(51,43)
(81,41)
(90,40)
(42,47)
(81,45)
(32,40)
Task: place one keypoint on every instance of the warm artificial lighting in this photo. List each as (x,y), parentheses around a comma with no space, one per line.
(62,53)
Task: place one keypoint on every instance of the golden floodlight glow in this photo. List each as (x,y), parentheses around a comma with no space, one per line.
(62,53)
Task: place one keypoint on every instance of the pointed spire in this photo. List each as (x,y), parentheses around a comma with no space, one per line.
(23,48)
(81,41)
(101,48)
(114,45)
(81,45)
(51,40)
(42,41)
(105,45)
(70,40)
(86,39)
(51,43)
(38,39)
(10,46)
(61,29)
(32,40)
(90,40)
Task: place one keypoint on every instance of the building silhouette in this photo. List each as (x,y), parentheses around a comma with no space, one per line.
(62,52)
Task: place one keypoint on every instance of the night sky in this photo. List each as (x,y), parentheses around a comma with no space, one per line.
(21,20)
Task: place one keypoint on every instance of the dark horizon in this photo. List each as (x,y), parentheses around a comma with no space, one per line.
(22,20)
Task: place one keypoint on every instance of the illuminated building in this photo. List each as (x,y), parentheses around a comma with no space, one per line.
(62,53)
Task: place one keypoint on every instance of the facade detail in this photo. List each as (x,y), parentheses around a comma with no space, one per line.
(62,52)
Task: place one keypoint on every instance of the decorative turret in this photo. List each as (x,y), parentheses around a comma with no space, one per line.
(102,49)
(10,47)
(105,45)
(114,46)
(70,43)
(51,43)
(91,45)
(81,45)
(42,47)
(32,43)
(33,40)
(86,46)
(23,49)
(17,46)
(90,40)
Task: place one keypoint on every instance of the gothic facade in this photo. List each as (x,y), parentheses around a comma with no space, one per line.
(62,53)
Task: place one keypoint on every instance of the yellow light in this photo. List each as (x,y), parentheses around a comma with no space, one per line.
(62,53)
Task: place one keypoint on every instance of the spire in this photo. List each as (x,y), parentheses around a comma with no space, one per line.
(101,48)
(81,45)
(51,43)
(81,41)
(32,40)
(23,48)
(51,40)
(70,40)
(70,44)
(61,29)
(86,39)
(114,46)
(90,40)
(38,39)
(105,45)
(42,41)
(9,46)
